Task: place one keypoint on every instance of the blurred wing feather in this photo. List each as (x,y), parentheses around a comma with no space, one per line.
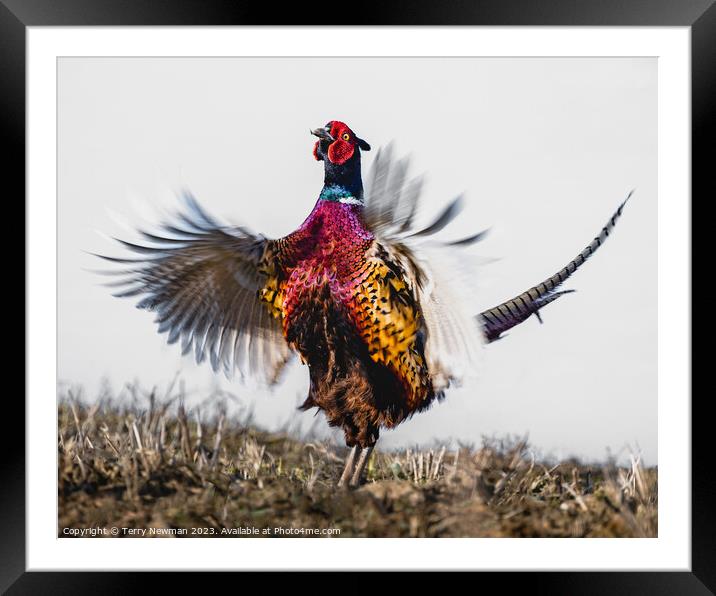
(435,270)
(202,281)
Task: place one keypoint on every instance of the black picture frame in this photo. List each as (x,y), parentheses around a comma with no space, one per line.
(17,15)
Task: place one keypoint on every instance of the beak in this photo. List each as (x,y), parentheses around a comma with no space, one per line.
(322,134)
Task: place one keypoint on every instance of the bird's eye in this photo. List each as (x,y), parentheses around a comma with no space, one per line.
(346,137)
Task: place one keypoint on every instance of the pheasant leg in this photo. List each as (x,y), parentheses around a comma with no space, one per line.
(348,469)
(360,466)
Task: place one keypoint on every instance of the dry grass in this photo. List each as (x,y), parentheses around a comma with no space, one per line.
(156,465)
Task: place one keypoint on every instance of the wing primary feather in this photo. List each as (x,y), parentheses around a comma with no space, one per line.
(448,214)
(194,206)
(470,239)
(414,189)
(138,248)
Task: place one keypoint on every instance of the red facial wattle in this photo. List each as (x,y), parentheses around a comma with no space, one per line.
(340,151)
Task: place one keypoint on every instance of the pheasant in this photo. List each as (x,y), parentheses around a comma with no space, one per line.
(354,291)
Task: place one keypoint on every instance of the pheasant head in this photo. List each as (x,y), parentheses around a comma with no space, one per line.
(339,148)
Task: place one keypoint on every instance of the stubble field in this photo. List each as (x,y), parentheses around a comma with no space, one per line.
(148,466)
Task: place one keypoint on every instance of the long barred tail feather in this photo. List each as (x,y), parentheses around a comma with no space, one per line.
(495,321)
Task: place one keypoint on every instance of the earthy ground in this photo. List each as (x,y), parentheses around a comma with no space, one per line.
(155,466)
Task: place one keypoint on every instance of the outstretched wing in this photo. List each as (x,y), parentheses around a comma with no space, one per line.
(203,282)
(435,272)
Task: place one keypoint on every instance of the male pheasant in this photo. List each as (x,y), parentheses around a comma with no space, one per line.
(353,291)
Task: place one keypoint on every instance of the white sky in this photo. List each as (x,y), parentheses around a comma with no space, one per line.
(545,149)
